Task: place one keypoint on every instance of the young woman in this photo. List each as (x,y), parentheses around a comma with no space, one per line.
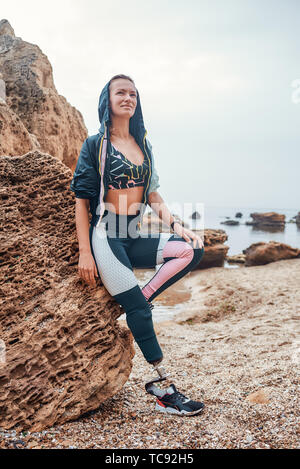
(115,179)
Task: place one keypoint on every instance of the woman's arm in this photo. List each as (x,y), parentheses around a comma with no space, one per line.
(157,204)
(82,225)
(86,266)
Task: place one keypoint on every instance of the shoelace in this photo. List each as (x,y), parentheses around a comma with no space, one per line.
(179,395)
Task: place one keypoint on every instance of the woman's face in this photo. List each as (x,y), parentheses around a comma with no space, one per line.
(122,98)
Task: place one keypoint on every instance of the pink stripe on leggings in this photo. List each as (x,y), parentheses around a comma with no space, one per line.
(183,252)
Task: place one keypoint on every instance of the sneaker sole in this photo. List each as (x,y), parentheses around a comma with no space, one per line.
(171,410)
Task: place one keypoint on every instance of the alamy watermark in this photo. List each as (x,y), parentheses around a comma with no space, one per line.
(123,225)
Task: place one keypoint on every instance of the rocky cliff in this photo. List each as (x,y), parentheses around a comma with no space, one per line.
(53,125)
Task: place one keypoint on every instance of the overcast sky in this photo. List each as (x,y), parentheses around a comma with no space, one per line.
(219,82)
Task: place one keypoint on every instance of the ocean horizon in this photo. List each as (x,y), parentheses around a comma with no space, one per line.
(242,236)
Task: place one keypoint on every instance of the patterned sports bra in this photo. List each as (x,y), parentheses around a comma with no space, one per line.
(123,173)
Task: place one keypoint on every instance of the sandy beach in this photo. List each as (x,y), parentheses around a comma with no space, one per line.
(234,345)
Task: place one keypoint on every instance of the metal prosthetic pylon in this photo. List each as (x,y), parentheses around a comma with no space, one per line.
(162,376)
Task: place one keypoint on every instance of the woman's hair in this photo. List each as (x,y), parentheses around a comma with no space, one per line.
(126,77)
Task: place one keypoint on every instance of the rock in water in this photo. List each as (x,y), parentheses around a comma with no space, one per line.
(65,350)
(32,96)
(196,216)
(268,219)
(230,222)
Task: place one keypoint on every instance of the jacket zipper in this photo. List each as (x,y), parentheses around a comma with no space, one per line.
(100,156)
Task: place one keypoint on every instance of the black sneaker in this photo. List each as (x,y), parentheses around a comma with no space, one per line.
(174,402)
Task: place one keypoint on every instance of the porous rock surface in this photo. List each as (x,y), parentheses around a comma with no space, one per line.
(65,350)
(14,137)
(31,94)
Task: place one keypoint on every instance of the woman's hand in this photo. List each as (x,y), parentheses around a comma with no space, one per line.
(188,235)
(87,268)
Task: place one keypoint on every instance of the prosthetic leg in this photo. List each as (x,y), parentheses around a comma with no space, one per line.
(170,400)
(162,376)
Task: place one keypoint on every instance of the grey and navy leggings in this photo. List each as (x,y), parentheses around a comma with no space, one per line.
(117,247)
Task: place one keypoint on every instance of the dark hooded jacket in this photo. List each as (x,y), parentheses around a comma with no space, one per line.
(90,179)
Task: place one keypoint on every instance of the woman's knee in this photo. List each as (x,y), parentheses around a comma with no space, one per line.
(194,253)
(178,248)
(157,361)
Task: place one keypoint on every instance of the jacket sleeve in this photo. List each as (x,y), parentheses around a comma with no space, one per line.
(154,182)
(85,182)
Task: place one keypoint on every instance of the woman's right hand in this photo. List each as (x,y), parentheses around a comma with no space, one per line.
(87,268)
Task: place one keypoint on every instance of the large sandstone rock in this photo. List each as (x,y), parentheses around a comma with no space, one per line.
(31,94)
(263,253)
(65,350)
(215,251)
(267,219)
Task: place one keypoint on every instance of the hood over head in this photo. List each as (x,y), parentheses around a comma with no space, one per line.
(136,122)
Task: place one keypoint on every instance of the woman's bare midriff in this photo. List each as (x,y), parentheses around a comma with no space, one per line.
(124,201)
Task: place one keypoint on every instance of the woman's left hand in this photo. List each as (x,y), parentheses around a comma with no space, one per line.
(188,235)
